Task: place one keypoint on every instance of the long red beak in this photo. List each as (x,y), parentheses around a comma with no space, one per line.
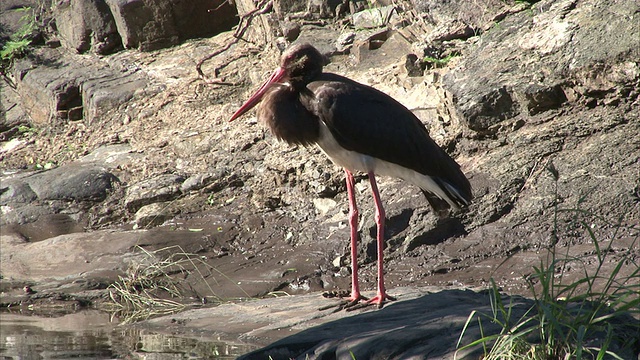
(255,98)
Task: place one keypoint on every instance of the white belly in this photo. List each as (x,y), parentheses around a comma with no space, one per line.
(354,161)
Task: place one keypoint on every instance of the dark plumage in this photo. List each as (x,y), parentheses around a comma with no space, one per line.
(360,129)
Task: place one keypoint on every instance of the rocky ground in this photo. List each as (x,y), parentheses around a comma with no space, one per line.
(538,103)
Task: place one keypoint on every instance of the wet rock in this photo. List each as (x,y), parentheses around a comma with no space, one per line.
(422,321)
(58,259)
(160,188)
(418,324)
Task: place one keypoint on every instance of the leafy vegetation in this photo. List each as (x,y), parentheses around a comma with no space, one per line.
(570,319)
(20,41)
(437,62)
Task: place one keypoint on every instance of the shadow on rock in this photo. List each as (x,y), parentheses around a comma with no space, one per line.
(425,327)
(445,229)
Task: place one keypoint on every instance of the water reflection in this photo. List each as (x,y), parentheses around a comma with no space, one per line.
(90,335)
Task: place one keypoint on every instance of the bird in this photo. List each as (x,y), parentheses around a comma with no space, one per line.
(362,130)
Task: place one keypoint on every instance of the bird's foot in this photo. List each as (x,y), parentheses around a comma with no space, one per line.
(380,299)
(350,303)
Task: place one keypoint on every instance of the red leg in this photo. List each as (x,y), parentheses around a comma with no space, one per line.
(381,296)
(353,224)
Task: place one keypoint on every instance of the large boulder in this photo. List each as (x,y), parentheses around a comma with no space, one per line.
(154,24)
(87,25)
(537,59)
(68,88)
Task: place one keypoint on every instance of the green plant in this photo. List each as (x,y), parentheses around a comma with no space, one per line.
(26,130)
(570,319)
(21,39)
(438,63)
(149,286)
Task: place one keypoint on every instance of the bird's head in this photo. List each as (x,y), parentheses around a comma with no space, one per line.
(302,63)
(299,65)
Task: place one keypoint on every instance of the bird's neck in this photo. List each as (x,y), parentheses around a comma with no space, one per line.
(288,117)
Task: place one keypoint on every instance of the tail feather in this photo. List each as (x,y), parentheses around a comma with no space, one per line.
(457,198)
(439,206)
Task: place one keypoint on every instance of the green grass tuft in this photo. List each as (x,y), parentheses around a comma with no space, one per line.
(151,286)
(593,317)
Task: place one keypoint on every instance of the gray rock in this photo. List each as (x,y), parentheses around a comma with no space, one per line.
(144,25)
(198,181)
(27,197)
(73,90)
(112,156)
(319,8)
(72,182)
(290,30)
(60,258)
(195,19)
(449,14)
(543,98)
(373,18)
(13,115)
(11,15)
(549,51)
(160,188)
(381,49)
(150,25)
(87,26)
(17,192)
(151,215)
(17,214)
(344,41)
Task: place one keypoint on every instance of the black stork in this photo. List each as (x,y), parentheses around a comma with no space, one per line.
(360,129)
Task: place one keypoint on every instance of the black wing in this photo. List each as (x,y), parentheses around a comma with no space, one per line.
(367,121)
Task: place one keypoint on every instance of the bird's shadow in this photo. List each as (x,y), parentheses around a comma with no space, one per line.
(429,324)
(445,228)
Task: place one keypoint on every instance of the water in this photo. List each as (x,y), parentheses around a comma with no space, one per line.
(91,335)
